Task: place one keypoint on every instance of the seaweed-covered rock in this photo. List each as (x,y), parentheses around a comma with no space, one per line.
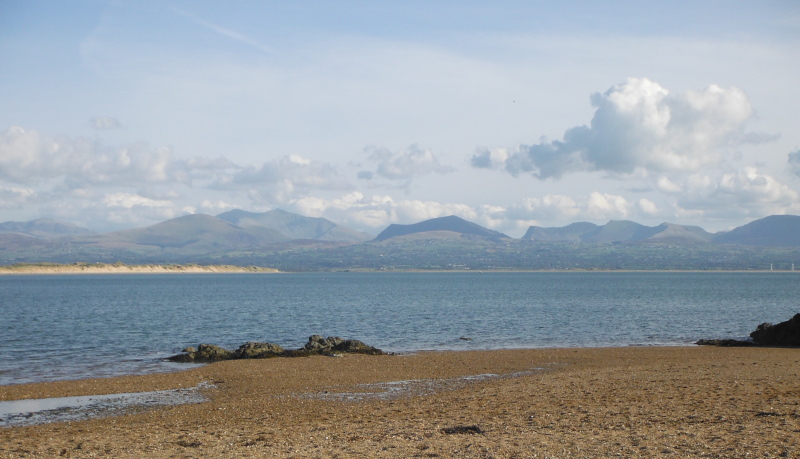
(354,346)
(255,350)
(316,345)
(783,334)
(203,353)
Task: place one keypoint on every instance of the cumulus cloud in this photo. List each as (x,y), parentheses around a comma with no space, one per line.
(639,125)
(280,181)
(549,207)
(28,158)
(607,206)
(87,176)
(741,193)
(15,197)
(374,213)
(404,165)
(105,123)
(129,201)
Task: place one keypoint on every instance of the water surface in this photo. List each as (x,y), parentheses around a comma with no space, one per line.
(75,326)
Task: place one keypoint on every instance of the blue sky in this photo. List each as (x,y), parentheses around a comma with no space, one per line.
(116,114)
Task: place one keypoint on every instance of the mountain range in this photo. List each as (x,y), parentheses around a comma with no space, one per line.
(258,238)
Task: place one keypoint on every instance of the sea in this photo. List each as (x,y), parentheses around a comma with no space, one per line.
(56,327)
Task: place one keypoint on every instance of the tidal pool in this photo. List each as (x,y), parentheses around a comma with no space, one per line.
(17,413)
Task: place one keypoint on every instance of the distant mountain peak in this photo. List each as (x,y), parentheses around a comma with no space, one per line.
(294,226)
(775,231)
(44,228)
(619,231)
(450,223)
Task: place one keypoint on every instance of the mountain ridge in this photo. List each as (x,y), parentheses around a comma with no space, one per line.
(617,231)
(294,226)
(440,243)
(451,223)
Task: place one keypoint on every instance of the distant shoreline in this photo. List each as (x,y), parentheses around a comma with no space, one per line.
(191,268)
(120,268)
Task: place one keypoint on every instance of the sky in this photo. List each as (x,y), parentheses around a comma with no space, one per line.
(117,114)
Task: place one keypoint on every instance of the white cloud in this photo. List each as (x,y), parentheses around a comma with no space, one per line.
(647,206)
(214,207)
(29,158)
(404,165)
(129,201)
(607,206)
(15,197)
(743,193)
(639,125)
(549,207)
(280,181)
(374,213)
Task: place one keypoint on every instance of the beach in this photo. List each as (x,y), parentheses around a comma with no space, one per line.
(120,268)
(588,402)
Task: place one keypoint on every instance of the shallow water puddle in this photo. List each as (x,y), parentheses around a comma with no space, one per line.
(17,413)
(413,387)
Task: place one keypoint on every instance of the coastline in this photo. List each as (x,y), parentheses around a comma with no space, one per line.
(589,402)
(119,268)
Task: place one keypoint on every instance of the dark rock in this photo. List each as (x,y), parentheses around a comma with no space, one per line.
(782,334)
(326,346)
(212,353)
(724,342)
(462,430)
(254,350)
(354,346)
(187,357)
(316,345)
(204,353)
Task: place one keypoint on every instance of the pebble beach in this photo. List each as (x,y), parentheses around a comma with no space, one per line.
(588,402)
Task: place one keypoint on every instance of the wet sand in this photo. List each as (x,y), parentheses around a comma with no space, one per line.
(626,402)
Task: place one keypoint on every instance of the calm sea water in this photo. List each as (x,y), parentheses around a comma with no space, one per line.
(76,326)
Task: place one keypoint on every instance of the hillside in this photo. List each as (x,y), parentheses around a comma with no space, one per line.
(451,224)
(449,243)
(773,231)
(44,228)
(196,233)
(617,231)
(570,233)
(293,226)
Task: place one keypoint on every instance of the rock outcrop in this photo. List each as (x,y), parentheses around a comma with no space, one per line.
(203,353)
(255,350)
(782,334)
(316,345)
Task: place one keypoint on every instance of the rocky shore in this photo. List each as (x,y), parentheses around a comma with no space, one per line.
(333,346)
(784,334)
